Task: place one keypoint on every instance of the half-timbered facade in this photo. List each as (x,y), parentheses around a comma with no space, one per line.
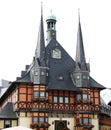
(55,92)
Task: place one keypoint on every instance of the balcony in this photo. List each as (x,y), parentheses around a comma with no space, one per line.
(105,109)
(85,126)
(40,125)
(41,99)
(83,101)
(61,107)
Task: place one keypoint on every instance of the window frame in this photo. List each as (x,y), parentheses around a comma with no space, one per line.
(84,96)
(84,120)
(55,99)
(7,124)
(61,99)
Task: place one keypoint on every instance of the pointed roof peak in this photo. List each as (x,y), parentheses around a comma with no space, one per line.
(41,8)
(40,49)
(79,19)
(8,111)
(79,14)
(51,11)
(80,55)
(51,16)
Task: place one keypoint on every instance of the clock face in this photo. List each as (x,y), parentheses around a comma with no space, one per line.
(56,53)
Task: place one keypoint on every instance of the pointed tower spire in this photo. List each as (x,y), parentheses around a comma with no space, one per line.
(80,75)
(40,49)
(39,70)
(80,55)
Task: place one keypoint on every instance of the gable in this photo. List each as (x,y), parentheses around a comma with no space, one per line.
(60,67)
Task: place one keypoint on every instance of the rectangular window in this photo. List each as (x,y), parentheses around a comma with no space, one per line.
(41,119)
(66,100)
(35,119)
(78,96)
(60,99)
(83,96)
(55,99)
(36,93)
(85,120)
(42,94)
(46,119)
(86,96)
(7,124)
(46,94)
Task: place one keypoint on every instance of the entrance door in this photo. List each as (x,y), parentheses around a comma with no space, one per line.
(7,123)
(60,125)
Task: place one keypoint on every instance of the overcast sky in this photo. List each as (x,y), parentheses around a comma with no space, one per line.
(19,24)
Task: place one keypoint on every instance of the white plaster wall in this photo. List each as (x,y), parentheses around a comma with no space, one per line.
(14,123)
(69,119)
(95,123)
(1,124)
(25,121)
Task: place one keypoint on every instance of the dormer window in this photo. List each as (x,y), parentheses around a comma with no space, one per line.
(36,73)
(78,77)
(60,77)
(42,73)
(84,76)
(47,74)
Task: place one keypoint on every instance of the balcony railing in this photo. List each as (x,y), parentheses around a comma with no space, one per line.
(61,107)
(41,99)
(40,125)
(83,101)
(105,109)
(85,126)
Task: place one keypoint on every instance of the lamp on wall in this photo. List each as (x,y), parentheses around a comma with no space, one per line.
(63,114)
(68,123)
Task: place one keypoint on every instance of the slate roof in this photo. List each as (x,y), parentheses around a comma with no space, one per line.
(80,54)
(24,78)
(95,84)
(40,49)
(59,69)
(8,112)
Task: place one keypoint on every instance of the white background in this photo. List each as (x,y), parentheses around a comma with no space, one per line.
(19,24)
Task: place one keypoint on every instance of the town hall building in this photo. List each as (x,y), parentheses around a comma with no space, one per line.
(55,92)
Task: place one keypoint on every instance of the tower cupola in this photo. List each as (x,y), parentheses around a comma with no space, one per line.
(51,16)
(51,27)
